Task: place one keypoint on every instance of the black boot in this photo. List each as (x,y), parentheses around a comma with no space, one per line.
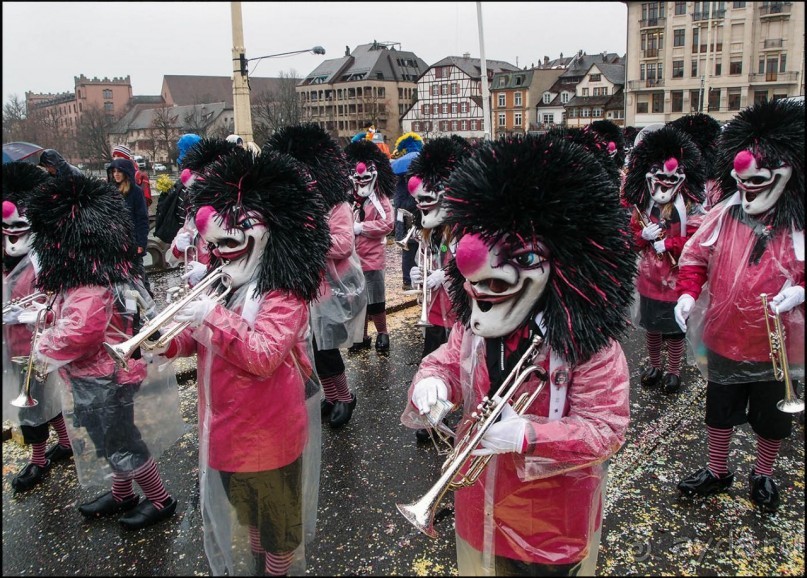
(342,411)
(671,383)
(651,376)
(106,505)
(764,492)
(145,514)
(59,453)
(326,407)
(366,343)
(29,476)
(704,483)
(382,343)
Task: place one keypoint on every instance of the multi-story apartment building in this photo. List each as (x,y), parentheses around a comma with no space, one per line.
(712,57)
(373,85)
(450,98)
(514,96)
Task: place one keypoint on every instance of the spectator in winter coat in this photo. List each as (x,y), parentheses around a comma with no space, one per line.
(54,163)
(141,178)
(121,173)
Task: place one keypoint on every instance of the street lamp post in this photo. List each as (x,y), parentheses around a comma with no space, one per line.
(242,112)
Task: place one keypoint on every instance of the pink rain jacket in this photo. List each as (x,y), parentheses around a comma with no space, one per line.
(371,244)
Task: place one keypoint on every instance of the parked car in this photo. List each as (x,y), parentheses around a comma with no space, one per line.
(160,168)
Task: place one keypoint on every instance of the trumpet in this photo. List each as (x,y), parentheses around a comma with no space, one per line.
(644,222)
(190,254)
(404,243)
(121,352)
(781,370)
(37,296)
(25,399)
(420,513)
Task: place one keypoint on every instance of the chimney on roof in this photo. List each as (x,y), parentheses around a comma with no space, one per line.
(347,50)
(466,55)
(561,56)
(604,56)
(580,54)
(546,60)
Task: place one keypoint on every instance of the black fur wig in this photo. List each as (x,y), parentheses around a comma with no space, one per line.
(325,159)
(591,142)
(364,151)
(773,132)
(83,234)
(655,148)
(552,190)
(607,131)
(439,157)
(205,152)
(704,131)
(19,180)
(276,186)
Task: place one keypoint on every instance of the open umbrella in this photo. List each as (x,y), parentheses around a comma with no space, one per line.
(401,164)
(21,151)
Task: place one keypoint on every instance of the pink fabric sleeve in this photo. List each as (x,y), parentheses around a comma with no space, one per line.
(341,226)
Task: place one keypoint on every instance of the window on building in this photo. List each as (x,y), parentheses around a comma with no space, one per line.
(107,93)
(782,62)
(658,102)
(678,69)
(679,37)
(677,101)
(694,100)
(642,74)
(547,97)
(502,119)
(714,99)
(736,67)
(517,119)
(680,8)
(734,98)
(695,40)
(464,107)
(464,125)
(455,88)
(718,68)
(595,77)
(108,107)
(517,99)
(436,89)
(474,125)
(435,109)
(572,112)
(519,80)
(444,108)
(738,4)
(454,125)
(760,96)
(444,89)
(597,113)
(424,109)
(415,126)
(694,73)
(549,118)
(584,92)
(454,108)
(565,97)
(641,108)
(501,97)
(585,112)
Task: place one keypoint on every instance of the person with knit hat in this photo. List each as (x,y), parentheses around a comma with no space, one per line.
(373,186)
(141,179)
(665,187)
(750,243)
(337,314)
(19,281)
(120,416)
(542,272)
(259,408)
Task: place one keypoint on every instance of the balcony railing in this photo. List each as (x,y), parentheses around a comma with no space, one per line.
(652,22)
(650,53)
(775,8)
(773,43)
(715,15)
(649,83)
(774,77)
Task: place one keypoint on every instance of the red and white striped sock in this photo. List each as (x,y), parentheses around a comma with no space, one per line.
(675,354)
(122,486)
(61,430)
(278,564)
(654,348)
(329,388)
(148,478)
(38,454)
(380,322)
(767,451)
(255,541)
(718,441)
(366,326)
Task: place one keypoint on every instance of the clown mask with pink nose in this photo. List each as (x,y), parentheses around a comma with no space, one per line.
(759,185)
(16,231)
(429,201)
(364,177)
(664,180)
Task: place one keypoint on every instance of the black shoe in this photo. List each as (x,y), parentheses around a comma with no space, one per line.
(382,342)
(106,505)
(59,453)
(29,476)
(422,435)
(366,343)
(671,383)
(407,286)
(342,411)
(326,407)
(145,514)
(764,492)
(704,483)
(651,377)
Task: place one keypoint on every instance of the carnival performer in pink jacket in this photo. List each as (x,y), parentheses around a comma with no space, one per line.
(19,282)
(665,188)
(337,314)
(750,243)
(120,418)
(373,219)
(543,254)
(258,391)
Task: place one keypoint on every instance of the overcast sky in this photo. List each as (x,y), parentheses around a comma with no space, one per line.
(47,44)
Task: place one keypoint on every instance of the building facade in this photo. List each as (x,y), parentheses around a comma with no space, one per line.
(450,98)
(712,57)
(514,96)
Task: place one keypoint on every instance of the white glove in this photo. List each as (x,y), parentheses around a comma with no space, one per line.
(196,311)
(28,315)
(358,228)
(504,436)
(682,310)
(12,315)
(435,278)
(787,299)
(415,275)
(183,241)
(195,272)
(651,232)
(659,246)
(426,393)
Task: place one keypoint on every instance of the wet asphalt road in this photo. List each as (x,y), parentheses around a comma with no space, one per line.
(374,462)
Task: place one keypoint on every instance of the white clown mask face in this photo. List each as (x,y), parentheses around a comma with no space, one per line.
(664,180)
(364,177)
(17,236)
(239,245)
(430,203)
(760,187)
(504,281)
